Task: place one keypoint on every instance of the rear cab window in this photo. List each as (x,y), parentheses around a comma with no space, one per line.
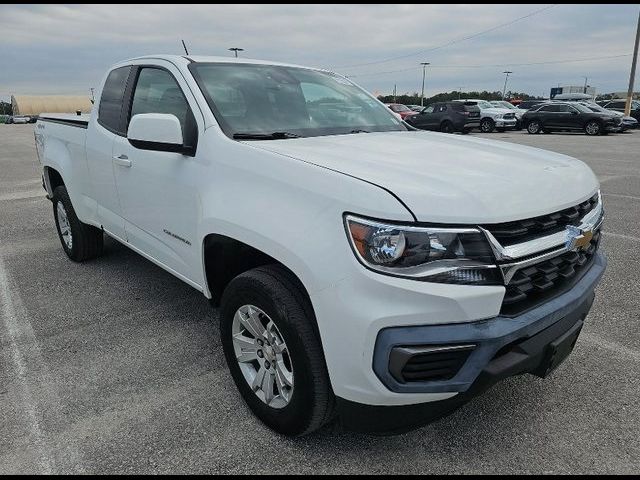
(110,108)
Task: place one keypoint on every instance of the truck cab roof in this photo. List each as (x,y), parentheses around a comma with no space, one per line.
(187,59)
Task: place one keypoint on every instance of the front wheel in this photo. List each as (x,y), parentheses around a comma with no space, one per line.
(487,125)
(593,128)
(446,127)
(79,240)
(534,127)
(273,351)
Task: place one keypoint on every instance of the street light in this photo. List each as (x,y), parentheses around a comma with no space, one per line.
(424,72)
(236,50)
(504,89)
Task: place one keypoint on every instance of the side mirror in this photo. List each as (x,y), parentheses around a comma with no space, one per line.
(157,131)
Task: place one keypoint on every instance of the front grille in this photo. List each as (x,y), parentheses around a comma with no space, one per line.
(509,116)
(427,364)
(537,283)
(510,233)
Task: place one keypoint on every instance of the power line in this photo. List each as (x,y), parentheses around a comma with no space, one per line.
(497,65)
(452,42)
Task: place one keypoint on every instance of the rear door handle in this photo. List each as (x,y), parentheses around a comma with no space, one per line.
(122,160)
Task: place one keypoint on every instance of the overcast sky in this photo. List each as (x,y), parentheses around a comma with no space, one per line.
(66,49)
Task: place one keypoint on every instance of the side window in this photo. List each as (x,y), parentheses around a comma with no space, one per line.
(110,107)
(158,92)
(429,109)
(566,108)
(443,108)
(548,108)
(616,105)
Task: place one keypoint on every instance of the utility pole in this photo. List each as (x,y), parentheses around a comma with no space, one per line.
(585,84)
(236,50)
(394,93)
(632,76)
(459,92)
(504,89)
(424,72)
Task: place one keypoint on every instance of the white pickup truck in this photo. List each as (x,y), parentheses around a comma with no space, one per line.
(364,270)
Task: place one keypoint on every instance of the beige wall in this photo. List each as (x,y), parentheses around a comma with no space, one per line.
(37,104)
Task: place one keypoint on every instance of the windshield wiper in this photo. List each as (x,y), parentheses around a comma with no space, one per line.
(264,136)
(359,130)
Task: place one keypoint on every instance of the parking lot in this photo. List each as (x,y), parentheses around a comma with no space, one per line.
(115,366)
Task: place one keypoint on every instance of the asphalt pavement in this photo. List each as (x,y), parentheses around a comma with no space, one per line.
(115,366)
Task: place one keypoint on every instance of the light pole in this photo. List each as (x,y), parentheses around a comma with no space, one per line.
(236,50)
(504,89)
(459,92)
(424,73)
(632,75)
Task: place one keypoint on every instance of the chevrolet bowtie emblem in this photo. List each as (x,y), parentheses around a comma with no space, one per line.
(578,239)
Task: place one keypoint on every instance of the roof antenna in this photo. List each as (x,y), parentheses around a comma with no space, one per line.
(185,47)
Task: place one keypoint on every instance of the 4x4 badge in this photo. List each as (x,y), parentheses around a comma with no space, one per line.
(577,238)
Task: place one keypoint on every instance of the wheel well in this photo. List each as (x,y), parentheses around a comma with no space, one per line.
(225,258)
(55,179)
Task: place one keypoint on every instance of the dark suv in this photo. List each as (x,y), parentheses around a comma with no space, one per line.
(569,116)
(447,117)
(618,106)
(527,104)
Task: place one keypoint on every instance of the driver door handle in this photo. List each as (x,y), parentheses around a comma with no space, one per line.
(122,160)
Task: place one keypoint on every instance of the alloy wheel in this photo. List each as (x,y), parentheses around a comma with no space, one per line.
(263,356)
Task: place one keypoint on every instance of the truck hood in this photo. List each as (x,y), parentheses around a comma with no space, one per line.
(445,178)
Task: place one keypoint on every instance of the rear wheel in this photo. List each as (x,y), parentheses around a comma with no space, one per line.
(534,127)
(593,128)
(487,125)
(446,127)
(273,351)
(79,240)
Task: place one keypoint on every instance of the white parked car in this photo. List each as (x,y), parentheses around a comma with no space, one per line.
(364,270)
(492,117)
(19,119)
(519,112)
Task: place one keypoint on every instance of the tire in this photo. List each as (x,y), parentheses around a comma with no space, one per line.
(446,127)
(487,125)
(280,298)
(79,241)
(534,127)
(593,128)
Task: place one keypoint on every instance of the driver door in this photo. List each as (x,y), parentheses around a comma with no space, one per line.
(157,189)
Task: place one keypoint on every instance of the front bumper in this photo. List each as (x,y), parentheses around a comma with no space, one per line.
(506,123)
(505,346)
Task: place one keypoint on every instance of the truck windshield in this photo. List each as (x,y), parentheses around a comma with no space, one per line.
(269,102)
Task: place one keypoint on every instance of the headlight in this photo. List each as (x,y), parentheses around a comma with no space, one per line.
(500,115)
(434,254)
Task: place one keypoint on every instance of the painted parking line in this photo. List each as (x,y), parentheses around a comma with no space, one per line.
(29,377)
(22,195)
(615,347)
